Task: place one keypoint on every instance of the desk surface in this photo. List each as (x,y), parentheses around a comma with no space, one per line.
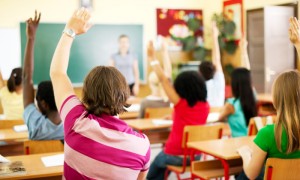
(222,148)
(34,167)
(10,134)
(146,124)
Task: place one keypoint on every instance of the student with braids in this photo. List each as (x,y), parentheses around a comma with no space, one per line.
(43,122)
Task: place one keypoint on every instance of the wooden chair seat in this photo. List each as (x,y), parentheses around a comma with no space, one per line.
(214,168)
(179,169)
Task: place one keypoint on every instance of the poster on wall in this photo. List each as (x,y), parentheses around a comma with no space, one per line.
(180,25)
(233,11)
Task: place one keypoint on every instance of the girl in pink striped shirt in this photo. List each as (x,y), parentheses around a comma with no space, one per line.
(97,144)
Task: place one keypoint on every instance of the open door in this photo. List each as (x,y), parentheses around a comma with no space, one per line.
(278,51)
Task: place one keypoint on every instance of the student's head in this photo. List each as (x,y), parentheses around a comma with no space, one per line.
(124,43)
(105,91)
(207,70)
(242,89)
(286,100)
(45,97)
(15,80)
(191,86)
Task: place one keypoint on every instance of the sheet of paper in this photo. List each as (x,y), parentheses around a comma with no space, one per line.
(162,122)
(258,123)
(213,117)
(55,160)
(3,159)
(21,128)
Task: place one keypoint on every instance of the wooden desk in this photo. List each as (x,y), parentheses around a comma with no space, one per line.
(157,133)
(222,149)
(35,168)
(129,115)
(146,124)
(10,134)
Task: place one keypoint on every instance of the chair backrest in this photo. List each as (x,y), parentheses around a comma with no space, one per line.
(158,112)
(277,169)
(258,122)
(202,133)
(8,124)
(43,146)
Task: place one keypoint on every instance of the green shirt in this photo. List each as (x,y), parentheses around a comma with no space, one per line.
(265,140)
(237,120)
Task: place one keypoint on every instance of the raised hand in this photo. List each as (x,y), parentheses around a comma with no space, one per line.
(243,43)
(294,31)
(215,30)
(79,22)
(151,51)
(32,25)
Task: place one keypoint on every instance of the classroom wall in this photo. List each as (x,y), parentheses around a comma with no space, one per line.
(108,12)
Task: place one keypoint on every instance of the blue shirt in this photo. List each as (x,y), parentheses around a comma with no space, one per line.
(237,120)
(40,127)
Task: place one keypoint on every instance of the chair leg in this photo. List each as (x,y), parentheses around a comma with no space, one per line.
(166,174)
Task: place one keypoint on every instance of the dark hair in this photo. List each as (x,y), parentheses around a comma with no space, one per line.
(123,36)
(207,70)
(242,89)
(191,86)
(45,92)
(105,91)
(15,79)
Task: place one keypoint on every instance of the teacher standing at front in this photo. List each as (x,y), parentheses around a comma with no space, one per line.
(126,62)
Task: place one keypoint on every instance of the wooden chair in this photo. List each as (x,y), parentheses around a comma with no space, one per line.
(8,124)
(192,134)
(43,146)
(277,169)
(158,112)
(215,169)
(259,122)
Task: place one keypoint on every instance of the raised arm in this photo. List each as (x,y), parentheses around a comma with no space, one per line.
(28,91)
(294,35)
(1,80)
(168,87)
(245,62)
(216,55)
(166,60)
(58,71)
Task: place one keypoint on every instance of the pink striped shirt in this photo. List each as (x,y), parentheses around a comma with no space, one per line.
(101,147)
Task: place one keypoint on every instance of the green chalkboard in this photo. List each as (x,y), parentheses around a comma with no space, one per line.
(88,50)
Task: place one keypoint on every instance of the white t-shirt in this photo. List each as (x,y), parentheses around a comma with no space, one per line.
(216,90)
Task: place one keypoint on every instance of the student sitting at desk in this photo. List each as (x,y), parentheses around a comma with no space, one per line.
(97,144)
(158,97)
(213,73)
(190,108)
(282,139)
(11,95)
(44,122)
(239,109)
